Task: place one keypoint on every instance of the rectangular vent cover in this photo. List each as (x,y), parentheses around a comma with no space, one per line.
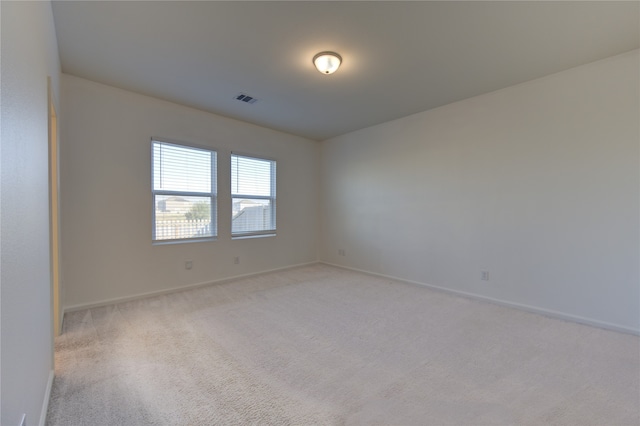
(246,98)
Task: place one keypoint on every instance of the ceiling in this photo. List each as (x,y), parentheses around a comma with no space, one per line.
(399,57)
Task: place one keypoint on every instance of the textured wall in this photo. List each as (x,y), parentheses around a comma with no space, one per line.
(106,195)
(29,56)
(536,183)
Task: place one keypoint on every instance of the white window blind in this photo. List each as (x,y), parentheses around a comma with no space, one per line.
(184,192)
(253,193)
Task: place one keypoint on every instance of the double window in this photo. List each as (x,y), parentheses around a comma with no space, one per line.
(253,196)
(184,192)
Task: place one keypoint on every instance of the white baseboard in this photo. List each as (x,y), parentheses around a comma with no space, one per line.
(532,309)
(45,402)
(528,308)
(113,301)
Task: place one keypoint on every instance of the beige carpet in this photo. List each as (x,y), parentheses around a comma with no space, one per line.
(322,345)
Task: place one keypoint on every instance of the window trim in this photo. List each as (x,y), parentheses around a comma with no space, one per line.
(272,198)
(213,195)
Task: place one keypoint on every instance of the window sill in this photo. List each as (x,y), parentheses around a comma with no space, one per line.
(188,240)
(245,237)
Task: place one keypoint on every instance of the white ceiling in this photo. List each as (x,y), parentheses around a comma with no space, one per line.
(399,57)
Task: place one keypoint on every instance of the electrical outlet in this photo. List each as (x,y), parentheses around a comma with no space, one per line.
(236,260)
(484,275)
(341,252)
(188,264)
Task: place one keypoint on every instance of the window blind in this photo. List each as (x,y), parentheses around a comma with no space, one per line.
(253,193)
(184,192)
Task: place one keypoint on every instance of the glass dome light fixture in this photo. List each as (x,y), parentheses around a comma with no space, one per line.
(327,62)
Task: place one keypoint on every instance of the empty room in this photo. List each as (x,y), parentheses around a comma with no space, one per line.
(320,212)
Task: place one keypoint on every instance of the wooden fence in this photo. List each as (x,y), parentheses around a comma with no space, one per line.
(180,229)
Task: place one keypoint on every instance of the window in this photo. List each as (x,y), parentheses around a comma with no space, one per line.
(184,192)
(253,194)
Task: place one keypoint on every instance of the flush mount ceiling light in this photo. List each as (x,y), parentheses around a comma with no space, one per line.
(327,62)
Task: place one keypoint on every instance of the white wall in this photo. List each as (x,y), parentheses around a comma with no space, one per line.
(29,55)
(106,199)
(536,183)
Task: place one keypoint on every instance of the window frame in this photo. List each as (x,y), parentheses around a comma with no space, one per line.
(213,195)
(272,198)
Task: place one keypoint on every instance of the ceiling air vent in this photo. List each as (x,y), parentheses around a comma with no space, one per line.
(246,98)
